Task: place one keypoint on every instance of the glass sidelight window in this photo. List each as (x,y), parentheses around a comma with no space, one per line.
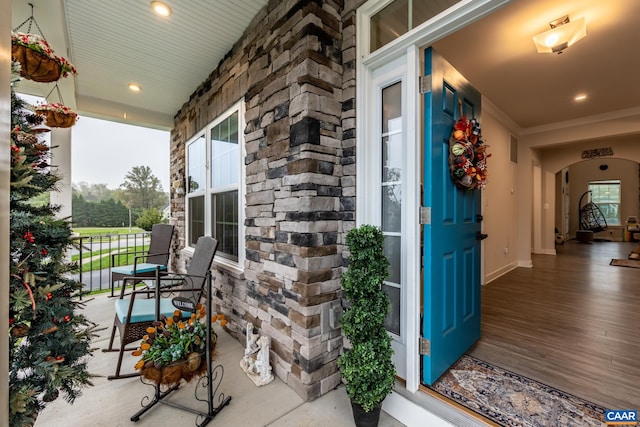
(214,166)
(391,196)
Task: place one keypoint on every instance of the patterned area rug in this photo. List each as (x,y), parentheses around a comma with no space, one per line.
(633,263)
(510,399)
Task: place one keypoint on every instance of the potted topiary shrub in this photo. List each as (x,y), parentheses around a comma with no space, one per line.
(366,366)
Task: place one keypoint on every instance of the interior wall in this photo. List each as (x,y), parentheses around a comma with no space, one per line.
(499,198)
(623,147)
(580,174)
(548,214)
(558,188)
(536,213)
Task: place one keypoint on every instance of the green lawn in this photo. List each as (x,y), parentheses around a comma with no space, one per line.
(86,255)
(97,231)
(104,261)
(108,233)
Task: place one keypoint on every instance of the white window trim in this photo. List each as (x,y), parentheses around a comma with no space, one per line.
(613,181)
(236,268)
(409,44)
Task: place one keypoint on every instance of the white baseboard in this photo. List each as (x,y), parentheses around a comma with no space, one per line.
(542,251)
(527,263)
(500,272)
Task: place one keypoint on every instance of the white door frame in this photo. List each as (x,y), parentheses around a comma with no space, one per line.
(409,44)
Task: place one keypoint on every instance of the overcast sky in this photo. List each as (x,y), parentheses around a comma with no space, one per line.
(102,152)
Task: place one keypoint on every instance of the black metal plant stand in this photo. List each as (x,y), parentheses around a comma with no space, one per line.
(216,401)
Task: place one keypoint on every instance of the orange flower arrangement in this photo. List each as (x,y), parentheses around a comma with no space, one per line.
(173,347)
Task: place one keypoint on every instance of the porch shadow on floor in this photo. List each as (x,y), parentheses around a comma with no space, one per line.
(112,403)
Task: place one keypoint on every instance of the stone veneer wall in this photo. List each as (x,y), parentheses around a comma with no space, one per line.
(348,119)
(295,68)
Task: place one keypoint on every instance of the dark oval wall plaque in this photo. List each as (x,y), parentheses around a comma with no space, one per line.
(183,304)
(598,152)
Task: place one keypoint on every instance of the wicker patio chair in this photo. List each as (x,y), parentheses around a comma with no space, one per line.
(144,264)
(137,311)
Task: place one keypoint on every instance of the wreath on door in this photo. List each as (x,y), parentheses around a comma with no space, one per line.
(468,155)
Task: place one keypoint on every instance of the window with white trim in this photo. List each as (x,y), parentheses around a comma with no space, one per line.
(606,194)
(214,177)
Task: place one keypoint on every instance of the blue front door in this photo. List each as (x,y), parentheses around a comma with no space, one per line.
(451,254)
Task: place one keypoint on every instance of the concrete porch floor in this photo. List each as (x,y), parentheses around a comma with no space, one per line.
(112,403)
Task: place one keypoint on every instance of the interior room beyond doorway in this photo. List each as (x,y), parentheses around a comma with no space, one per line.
(570,322)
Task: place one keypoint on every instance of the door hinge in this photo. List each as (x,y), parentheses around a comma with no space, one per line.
(424,84)
(425,215)
(424,346)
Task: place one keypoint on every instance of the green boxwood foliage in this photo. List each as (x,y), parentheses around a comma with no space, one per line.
(366,366)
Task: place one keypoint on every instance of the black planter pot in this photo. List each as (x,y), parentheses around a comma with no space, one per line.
(365,419)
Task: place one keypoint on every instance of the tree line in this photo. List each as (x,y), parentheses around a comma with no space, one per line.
(138,201)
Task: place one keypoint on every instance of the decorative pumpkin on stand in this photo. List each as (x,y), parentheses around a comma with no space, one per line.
(468,155)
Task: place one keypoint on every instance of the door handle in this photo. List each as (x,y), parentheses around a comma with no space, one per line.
(481,236)
(479,218)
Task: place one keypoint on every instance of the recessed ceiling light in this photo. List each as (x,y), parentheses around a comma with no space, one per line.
(161,8)
(580,97)
(134,87)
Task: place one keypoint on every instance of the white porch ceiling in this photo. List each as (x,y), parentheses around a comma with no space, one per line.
(116,42)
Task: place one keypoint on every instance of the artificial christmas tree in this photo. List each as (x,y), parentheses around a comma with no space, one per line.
(49,339)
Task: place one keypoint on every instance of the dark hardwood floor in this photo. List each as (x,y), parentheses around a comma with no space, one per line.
(572,322)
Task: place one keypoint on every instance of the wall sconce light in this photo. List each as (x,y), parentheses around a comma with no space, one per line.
(178,186)
(562,34)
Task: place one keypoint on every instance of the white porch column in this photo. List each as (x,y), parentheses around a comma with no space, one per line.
(61,160)
(5,127)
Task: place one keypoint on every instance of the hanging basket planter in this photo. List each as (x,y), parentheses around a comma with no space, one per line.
(35,65)
(57,115)
(37,60)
